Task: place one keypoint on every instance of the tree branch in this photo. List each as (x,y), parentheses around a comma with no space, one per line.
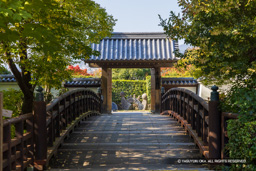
(17,75)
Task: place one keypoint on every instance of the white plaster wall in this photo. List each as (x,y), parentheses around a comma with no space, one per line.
(8,85)
(94,89)
(14,85)
(193,89)
(204,92)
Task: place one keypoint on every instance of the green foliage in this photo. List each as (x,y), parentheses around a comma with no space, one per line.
(62,91)
(3,70)
(82,76)
(13,101)
(148,87)
(241,99)
(137,87)
(48,96)
(130,74)
(175,71)
(51,74)
(224,35)
(42,38)
(129,87)
(242,138)
(223,31)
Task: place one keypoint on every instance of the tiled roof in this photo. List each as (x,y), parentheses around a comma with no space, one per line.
(82,82)
(135,47)
(179,81)
(7,78)
(77,82)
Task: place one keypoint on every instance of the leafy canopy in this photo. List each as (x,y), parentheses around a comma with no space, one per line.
(39,39)
(130,74)
(3,70)
(224,31)
(224,34)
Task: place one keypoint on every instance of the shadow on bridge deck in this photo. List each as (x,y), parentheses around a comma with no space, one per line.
(127,141)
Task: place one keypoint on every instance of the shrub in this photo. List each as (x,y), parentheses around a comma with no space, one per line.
(13,100)
(241,99)
(242,138)
(129,87)
(148,86)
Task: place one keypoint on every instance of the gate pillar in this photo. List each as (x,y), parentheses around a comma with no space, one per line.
(156,90)
(107,89)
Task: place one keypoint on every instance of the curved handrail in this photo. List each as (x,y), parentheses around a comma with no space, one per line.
(62,114)
(193,113)
(67,107)
(17,119)
(61,97)
(188,92)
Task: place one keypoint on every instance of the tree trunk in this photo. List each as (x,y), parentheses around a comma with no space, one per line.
(23,82)
(27,104)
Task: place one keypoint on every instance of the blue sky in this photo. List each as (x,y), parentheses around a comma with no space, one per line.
(139,15)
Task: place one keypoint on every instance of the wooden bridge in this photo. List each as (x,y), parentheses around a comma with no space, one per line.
(71,133)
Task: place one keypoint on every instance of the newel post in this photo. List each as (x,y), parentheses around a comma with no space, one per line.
(214,125)
(40,134)
(161,102)
(99,92)
(1,131)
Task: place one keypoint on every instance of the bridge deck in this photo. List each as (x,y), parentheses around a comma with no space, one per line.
(127,141)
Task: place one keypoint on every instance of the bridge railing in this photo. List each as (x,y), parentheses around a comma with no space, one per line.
(62,111)
(225,116)
(32,139)
(205,123)
(193,113)
(18,143)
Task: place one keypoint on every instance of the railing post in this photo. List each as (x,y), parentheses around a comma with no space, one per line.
(40,131)
(99,92)
(162,106)
(1,131)
(214,125)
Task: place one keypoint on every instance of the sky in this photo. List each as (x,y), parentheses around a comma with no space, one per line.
(139,15)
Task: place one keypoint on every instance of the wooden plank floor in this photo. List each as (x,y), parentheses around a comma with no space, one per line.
(127,141)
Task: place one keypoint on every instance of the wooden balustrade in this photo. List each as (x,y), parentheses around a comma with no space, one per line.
(201,120)
(22,146)
(224,135)
(18,144)
(193,113)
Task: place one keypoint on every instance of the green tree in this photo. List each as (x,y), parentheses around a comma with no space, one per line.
(131,74)
(224,32)
(3,70)
(39,39)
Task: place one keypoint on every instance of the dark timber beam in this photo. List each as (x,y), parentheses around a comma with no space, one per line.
(106,89)
(130,64)
(156,90)
(153,89)
(109,90)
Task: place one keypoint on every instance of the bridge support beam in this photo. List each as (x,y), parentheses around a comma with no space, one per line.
(106,89)
(156,90)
